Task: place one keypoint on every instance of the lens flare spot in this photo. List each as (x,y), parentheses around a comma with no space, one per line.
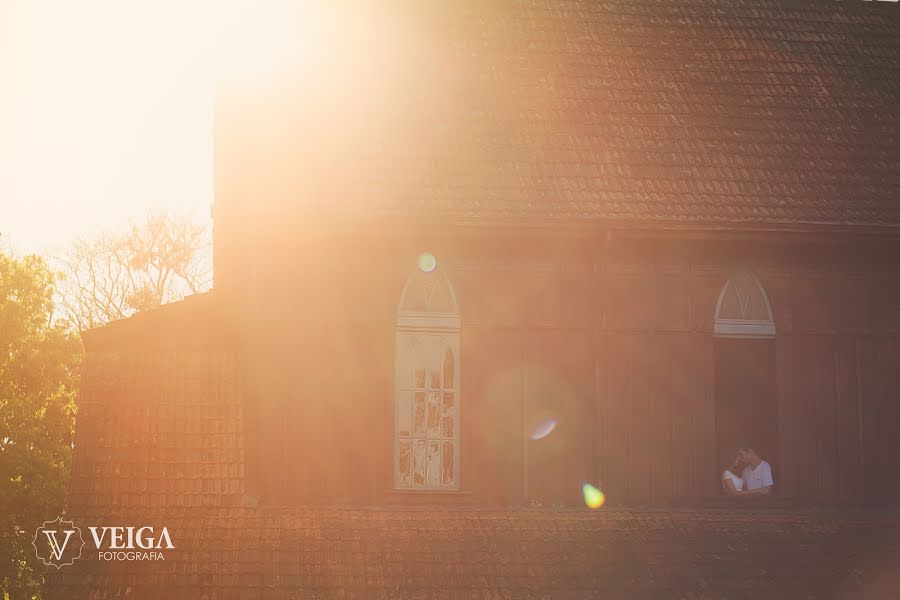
(427,262)
(593,497)
(543,429)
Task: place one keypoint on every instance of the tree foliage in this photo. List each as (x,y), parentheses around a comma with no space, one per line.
(114,276)
(39,369)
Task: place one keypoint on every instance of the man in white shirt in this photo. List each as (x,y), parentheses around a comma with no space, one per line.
(757,474)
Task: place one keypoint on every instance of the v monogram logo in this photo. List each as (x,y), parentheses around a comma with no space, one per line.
(57,549)
(58,552)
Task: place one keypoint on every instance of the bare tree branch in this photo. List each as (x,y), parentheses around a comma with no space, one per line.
(159,260)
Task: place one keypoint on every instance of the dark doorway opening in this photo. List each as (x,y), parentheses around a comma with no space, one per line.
(746,403)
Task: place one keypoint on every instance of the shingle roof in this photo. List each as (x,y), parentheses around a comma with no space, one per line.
(310,553)
(698,111)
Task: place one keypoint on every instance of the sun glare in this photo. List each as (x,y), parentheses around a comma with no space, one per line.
(115,100)
(593,497)
(427,262)
(251,39)
(543,428)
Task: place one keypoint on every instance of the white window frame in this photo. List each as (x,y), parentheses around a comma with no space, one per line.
(744,328)
(443,328)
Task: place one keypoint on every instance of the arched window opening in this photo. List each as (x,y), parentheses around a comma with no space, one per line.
(428,302)
(746,405)
(426,423)
(743,309)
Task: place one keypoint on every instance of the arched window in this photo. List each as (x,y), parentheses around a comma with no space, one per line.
(746,395)
(426,398)
(743,309)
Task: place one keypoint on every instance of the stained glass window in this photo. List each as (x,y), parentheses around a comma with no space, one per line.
(427,386)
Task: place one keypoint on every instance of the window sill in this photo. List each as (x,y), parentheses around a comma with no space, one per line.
(765,502)
(394,497)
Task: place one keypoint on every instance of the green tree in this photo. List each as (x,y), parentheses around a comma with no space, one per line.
(39,369)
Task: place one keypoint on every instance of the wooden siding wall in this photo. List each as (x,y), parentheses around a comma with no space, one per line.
(616,345)
(624,363)
(838,353)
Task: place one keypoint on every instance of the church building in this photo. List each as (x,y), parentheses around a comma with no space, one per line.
(472,256)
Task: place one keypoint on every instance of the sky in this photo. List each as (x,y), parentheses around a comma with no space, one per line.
(105,113)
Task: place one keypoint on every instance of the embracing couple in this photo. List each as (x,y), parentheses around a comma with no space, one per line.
(755,475)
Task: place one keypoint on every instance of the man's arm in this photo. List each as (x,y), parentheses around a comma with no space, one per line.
(757,492)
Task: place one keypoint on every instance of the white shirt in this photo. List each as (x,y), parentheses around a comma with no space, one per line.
(738,484)
(759,477)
